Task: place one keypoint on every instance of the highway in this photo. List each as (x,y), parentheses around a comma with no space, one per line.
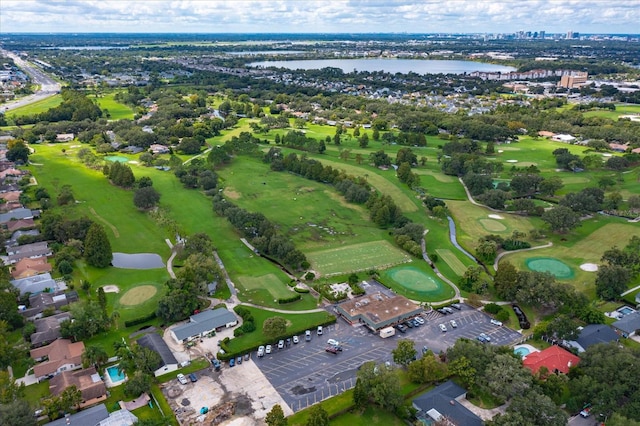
(48,86)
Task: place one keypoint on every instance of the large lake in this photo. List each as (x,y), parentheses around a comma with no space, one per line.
(393,66)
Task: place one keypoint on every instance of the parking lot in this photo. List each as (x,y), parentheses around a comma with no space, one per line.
(305,373)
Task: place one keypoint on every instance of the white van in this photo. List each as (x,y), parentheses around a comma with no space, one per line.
(387,332)
(319,330)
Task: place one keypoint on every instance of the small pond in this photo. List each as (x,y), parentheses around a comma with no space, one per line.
(137,261)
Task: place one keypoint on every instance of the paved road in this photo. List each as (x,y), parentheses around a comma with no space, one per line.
(48,86)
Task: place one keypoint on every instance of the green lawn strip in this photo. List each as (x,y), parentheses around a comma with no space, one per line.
(269,282)
(621,109)
(372,415)
(447,255)
(357,257)
(116,110)
(333,406)
(35,107)
(296,324)
(438,189)
(34,393)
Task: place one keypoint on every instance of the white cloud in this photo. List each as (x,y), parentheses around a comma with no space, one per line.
(309,16)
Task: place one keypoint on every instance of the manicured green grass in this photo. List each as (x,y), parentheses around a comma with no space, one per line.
(296,324)
(357,257)
(35,393)
(332,405)
(36,107)
(621,109)
(372,415)
(437,185)
(447,255)
(270,282)
(116,110)
(428,289)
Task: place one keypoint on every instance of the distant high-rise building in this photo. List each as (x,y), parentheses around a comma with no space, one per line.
(569,35)
(541,35)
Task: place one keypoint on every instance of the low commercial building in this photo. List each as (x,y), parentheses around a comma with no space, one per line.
(203,323)
(378,311)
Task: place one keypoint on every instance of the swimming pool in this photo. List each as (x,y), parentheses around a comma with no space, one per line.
(115,374)
(625,310)
(522,351)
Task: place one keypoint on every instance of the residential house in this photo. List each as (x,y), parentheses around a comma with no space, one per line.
(36,284)
(29,267)
(15,225)
(594,334)
(563,138)
(87,381)
(155,342)
(96,416)
(15,236)
(204,323)
(554,359)
(10,205)
(442,405)
(32,251)
(21,213)
(618,147)
(48,329)
(64,137)
(629,325)
(12,173)
(11,196)
(159,149)
(59,356)
(41,301)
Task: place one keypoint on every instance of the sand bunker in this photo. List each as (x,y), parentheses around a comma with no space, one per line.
(512,161)
(589,267)
(111,289)
(495,216)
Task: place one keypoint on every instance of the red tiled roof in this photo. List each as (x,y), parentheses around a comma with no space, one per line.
(554,359)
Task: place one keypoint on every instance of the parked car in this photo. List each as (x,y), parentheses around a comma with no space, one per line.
(443,327)
(267,350)
(288,341)
(331,349)
(182,379)
(495,322)
(420,320)
(280,344)
(425,350)
(456,306)
(260,351)
(307,336)
(401,328)
(481,338)
(295,340)
(453,324)
(333,342)
(442,311)
(319,330)
(408,324)
(232,362)
(415,323)
(586,412)
(239,360)
(447,310)
(485,338)
(216,365)
(193,377)
(246,357)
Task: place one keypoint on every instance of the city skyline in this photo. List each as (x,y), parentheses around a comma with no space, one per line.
(329,16)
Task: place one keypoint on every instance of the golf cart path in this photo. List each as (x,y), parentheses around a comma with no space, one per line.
(504,253)
(630,291)
(425,256)
(283,311)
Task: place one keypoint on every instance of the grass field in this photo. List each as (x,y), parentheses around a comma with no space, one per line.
(269,282)
(447,255)
(357,257)
(417,282)
(36,107)
(138,295)
(621,109)
(116,110)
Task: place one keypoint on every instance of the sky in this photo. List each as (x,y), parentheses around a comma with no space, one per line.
(320,16)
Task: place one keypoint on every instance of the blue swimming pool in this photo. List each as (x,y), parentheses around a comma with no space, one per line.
(522,351)
(625,310)
(115,374)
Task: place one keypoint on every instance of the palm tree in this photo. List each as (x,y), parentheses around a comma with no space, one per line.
(94,355)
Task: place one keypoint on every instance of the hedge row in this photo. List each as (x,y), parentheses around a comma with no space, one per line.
(301,290)
(136,321)
(294,298)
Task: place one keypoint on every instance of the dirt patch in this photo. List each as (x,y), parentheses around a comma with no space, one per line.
(138,295)
(231,193)
(111,289)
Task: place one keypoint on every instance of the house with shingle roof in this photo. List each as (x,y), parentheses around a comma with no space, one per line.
(15,225)
(204,323)
(61,355)
(594,334)
(36,284)
(29,267)
(16,214)
(87,381)
(629,325)
(155,342)
(32,251)
(442,406)
(48,329)
(41,301)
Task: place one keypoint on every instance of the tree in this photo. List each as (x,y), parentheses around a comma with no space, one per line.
(70,398)
(378,384)
(94,355)
(427,369)
(318,416)
(561,219)
(462,368)
(506,377)
(18,152)
(276,417)
(506,281)
(146,197)
(17,413)
(274,327)
(550,186)
(405,352)
(634,201)
(363,141)
(532,409)
(611,281)
(9,309)
(97,249)
(563,327)
(65,196)
(137,383)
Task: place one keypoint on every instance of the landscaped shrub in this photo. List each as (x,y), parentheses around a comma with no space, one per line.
(136,321)
(492,308)
(289,299)
(301,290)
(511,244)
(503,315)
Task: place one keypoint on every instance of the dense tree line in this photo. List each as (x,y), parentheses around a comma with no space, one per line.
(75,106)
(619,267)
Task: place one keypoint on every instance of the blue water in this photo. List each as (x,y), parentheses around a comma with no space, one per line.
(115,374)
(626,310)
(522,352)
(404,66)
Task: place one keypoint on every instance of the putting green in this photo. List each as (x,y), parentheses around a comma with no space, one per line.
(492,225)
(547,264)
(419,283)
(117,158)
(138,295)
